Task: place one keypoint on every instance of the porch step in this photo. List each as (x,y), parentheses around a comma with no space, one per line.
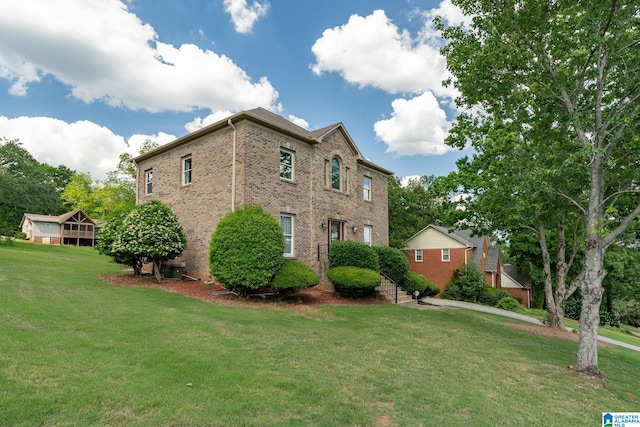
(387,289)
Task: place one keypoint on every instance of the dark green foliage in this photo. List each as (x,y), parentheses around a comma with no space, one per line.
(509,303)
(491,296)
(353,281)
(573,310)
(393,263)
(631,313)
(294,275)
(417,282)
(467,284)
(28,186)
(344,253)
(246,249)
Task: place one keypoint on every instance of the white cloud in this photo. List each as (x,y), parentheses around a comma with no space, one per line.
(417,126)
(199,123)
(244,16)
(105,53)
(298,121)
(373,51)
(82,146)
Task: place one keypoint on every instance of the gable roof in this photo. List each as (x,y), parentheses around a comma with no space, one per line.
(467,238)
(59,219)
(271,120)
(523,279)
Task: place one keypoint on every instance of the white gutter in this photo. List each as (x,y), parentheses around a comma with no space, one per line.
(233,168)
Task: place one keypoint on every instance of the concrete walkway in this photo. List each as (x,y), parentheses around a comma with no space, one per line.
(437,302)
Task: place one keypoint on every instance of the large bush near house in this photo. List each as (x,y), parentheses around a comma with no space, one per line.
(152,231)
(393,263)
(347,253)
(292,276)
(491,296)
(417,282)
(246,249)
(107,236)
(354,281)
(467,284)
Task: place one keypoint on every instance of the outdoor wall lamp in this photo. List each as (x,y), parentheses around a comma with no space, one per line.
(354,229)
(323,225)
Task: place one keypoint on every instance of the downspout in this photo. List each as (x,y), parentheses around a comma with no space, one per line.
(233,168)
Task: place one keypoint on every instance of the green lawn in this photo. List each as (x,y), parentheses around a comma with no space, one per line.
(75,350)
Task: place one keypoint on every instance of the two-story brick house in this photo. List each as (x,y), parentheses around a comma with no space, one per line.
(316,184)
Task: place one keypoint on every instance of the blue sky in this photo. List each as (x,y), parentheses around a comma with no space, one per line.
(83,81)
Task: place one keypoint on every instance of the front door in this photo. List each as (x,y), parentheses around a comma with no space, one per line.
(335,230)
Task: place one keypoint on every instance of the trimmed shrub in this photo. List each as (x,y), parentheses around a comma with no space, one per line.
(294,275)
(508,303)
(393,263)
(347,253)
(467,284)
(246,249)
(491,296)
(354,281)
(417,282)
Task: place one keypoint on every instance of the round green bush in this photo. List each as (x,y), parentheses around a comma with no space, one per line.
(294,275)
(417,282)
(393,263)
(347,253)
(246,249)
(491,296)
(349,279)
(508,303)
(467,284)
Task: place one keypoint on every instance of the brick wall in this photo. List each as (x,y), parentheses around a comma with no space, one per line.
(433,268)
(308,198)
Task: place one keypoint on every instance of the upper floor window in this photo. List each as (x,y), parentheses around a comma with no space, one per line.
(446,255)
(148,174)
(286,164)
(286,222)
(418,255)
(335,173)
(186,170)
(366,186)
(367,234)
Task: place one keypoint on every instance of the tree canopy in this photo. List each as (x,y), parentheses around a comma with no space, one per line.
(552,105)
(28,186)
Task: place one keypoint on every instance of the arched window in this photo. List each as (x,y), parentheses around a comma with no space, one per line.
(335,173)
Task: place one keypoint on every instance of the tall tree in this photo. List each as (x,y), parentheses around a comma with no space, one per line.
(568,66)
(27,186)
(411,207)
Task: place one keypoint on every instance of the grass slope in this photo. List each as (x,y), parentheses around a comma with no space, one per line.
(78,351)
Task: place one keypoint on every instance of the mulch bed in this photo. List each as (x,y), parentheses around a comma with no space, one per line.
(209,292)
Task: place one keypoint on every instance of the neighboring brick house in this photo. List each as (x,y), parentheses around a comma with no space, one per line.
(316,184)
(435,252)
(73,228)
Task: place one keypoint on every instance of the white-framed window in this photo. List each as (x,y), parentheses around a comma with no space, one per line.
(286,164)
(187,167)
(335,173)
(148,179)
(418,255)
(366,188)
(446,255)
(286,222)
(367,231)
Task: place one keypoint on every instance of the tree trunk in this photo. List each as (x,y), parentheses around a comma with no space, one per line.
(592,290)
(156,270)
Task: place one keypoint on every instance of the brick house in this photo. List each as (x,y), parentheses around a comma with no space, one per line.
(435,252)
(316,184)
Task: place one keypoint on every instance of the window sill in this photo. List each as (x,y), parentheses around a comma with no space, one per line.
(288,181)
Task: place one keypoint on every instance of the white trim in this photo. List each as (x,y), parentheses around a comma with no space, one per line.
(446,258)
(419,258)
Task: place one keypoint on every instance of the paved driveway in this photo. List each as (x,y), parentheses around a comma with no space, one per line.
(505,313)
